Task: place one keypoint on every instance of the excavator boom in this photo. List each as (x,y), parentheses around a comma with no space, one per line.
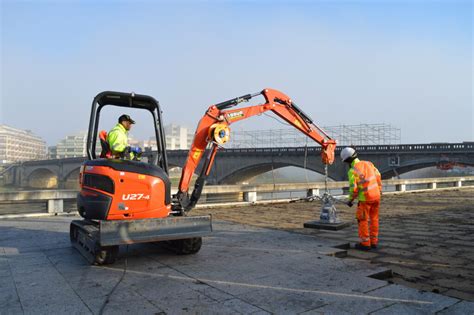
(213,131)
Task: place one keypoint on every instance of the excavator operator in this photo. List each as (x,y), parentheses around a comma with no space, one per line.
(117,138)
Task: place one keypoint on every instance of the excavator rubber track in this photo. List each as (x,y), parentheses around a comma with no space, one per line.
(85,238)
(98,241)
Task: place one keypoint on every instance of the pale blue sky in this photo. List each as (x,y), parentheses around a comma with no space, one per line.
(405,63)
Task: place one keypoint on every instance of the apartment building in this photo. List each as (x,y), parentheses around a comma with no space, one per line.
(18,145)
(178,137)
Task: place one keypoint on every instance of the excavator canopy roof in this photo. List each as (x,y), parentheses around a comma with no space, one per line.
(130,100)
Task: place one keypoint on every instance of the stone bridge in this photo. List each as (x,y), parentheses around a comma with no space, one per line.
(237,165)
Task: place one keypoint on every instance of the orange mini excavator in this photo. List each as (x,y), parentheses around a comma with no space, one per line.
(126,202)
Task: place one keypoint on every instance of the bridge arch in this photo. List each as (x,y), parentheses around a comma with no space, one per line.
(247,172)
(42,178)
(71,180)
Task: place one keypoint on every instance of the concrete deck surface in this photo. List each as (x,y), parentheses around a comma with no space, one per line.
(240,269)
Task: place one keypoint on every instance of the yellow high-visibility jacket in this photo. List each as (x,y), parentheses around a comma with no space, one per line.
(118,139)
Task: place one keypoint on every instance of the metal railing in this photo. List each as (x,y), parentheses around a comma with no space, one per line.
(466,146)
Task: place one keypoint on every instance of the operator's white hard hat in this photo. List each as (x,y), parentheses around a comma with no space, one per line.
(347,153)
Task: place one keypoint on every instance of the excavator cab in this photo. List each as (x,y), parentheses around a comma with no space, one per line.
(117,189)
(126,201)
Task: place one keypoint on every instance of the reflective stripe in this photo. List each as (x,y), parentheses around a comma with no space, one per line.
(363,179)
(370,178)
(372,186)
(366,177)
(357,171)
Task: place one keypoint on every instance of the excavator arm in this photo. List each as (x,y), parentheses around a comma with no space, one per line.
(213,131)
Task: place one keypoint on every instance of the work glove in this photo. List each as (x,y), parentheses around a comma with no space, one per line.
(136,150)
(350,203)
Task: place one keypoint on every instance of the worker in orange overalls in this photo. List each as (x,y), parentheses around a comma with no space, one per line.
(365,184)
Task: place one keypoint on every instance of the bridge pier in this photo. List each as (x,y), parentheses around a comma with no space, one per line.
(432,186)
(401,187)
(250,196)
(55,206)
(312,192)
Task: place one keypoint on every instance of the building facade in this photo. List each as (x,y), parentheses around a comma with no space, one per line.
(72,146)
(178,137)
(18,145)
(52,152)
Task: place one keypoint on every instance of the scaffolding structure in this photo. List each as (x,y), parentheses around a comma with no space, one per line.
(363,134)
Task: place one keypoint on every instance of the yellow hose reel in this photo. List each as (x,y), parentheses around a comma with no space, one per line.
(219,133)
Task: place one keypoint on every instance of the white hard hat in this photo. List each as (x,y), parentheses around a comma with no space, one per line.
(347,153)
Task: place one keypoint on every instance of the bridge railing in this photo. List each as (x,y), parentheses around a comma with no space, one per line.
(59,201)
(431,147)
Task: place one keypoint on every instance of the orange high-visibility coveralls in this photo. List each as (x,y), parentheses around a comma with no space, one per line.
(365,184)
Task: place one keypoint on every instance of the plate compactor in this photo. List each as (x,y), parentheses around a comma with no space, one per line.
(126,201)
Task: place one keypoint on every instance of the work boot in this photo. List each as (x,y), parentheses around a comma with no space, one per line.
(361,247)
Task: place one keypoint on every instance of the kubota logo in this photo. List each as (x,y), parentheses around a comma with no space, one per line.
(135,197)
(235,115)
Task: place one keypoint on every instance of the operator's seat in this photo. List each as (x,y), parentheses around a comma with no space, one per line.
(106,152)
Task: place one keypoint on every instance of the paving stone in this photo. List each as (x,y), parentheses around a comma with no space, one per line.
(123,300)
(383,243)
(397,260)
(396,251)
(444,260)
(362,254)
(417,301)
(460,308)
(417,232)
(416,238)
(469,296)
(392,239)
(462,243)
(236,305)
(452,271)
(282,302)
(348,307)
(391,233)
(419,285)
(409,272)
(11,308)
(8,296)
(449,282)
(467,255)
(319,311)
(400,309)
(436,251)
